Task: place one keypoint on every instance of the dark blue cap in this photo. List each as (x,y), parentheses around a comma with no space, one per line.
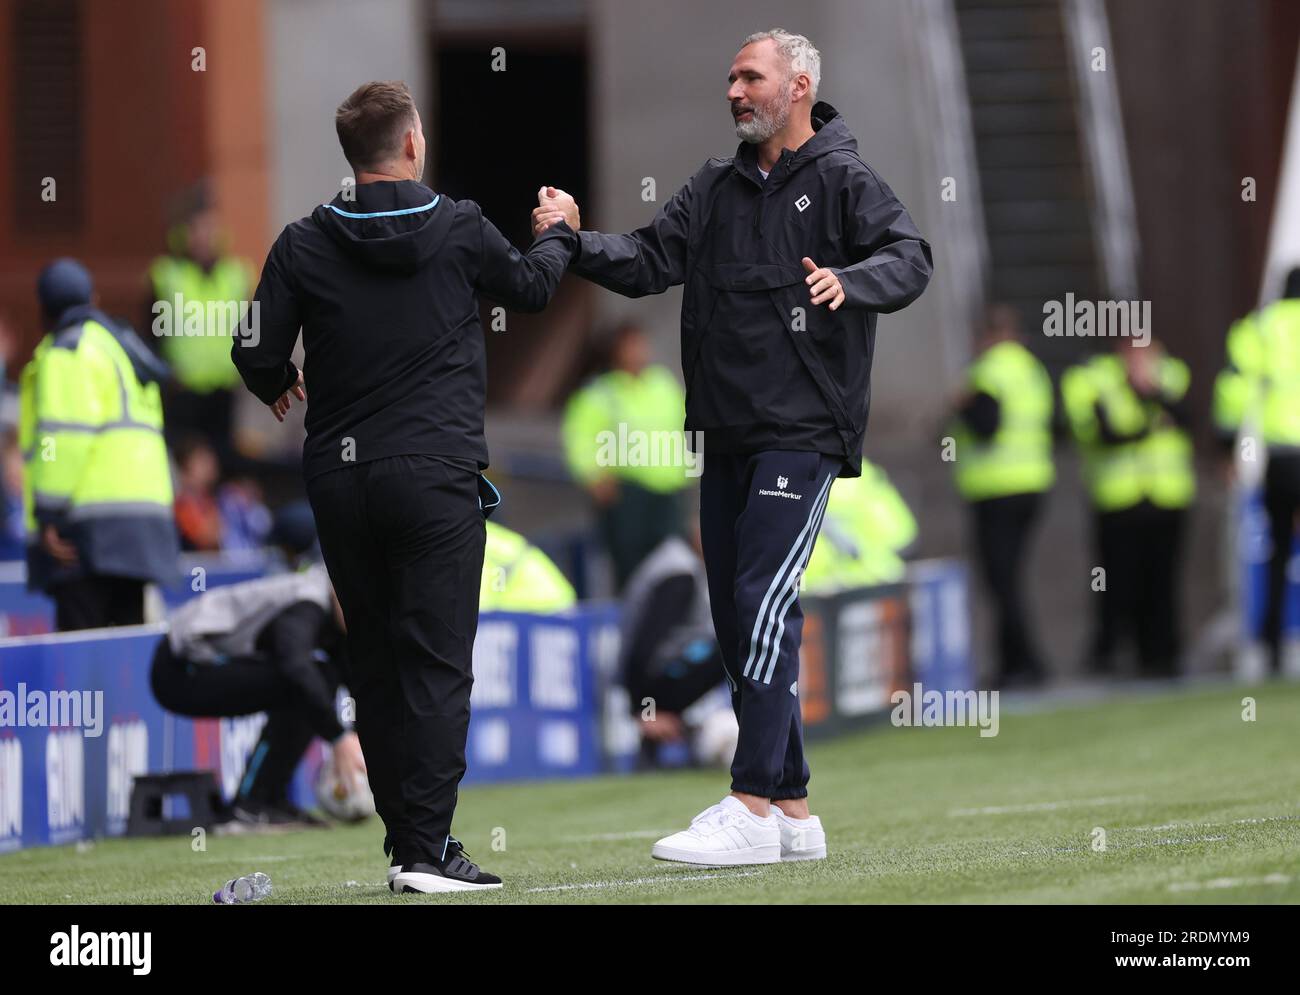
(294,528)
(64,283)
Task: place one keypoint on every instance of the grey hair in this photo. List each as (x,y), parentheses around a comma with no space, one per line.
(799,53)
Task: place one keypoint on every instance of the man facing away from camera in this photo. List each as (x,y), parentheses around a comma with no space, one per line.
(788,251)
(384,282)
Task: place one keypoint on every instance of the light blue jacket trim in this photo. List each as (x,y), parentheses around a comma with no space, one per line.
(386,214)
(496,493)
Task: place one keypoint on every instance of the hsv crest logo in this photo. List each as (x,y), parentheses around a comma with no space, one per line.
(782,481)
(803,203)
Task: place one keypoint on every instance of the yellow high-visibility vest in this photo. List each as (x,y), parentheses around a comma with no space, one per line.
(1017,458)
(629,426)
(95,462)
(519,577)
(198,346)
(1262,379)
(866,526)
(1157,465)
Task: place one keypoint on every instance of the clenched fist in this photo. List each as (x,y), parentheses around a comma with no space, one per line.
(554,205)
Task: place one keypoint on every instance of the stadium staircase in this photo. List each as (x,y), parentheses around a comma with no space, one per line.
(1032,155)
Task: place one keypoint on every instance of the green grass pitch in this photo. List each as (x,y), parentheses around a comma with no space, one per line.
(1197,806)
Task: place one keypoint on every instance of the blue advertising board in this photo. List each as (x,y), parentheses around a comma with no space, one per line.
(1254,548)
(78,721)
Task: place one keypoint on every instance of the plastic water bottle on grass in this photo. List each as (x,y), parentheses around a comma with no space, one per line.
(240,891)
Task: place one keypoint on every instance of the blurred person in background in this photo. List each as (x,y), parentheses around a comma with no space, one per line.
(1002,434)
(197,292)
(198,516)
(1261,384)
(669,657)
(246,521)
(637,506)
(97,487)
(274,645)
(213,517)
(8,347)
(519,577)
(788,250)
(865,529)
(13,536)
(1128,410)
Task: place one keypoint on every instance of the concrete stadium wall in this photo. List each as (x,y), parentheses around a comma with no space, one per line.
(319,51)
(660,109)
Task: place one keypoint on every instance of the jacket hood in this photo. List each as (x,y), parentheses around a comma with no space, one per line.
(391,225)
(831,134)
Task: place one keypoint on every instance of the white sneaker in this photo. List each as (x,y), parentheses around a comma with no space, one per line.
(801,839)
(724,835)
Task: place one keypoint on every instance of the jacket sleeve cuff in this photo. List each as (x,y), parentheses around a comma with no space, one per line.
(562,230)
(291,377)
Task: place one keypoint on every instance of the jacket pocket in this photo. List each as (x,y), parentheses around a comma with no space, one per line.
(822,331)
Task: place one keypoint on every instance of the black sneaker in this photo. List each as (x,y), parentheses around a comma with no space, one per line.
(292,814)
(248,815)
(455,872)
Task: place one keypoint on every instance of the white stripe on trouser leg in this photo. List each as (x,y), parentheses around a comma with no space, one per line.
(787,599)
(769,602)
(769,648)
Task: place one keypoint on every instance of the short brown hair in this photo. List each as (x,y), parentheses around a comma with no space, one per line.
(372,121)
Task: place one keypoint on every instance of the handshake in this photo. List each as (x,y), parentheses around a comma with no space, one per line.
(554,205)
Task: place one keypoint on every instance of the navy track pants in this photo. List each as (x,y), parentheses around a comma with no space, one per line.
(759,516)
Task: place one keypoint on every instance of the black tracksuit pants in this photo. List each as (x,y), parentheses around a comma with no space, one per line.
(1002,528)
(1140,549)
(759,516)
(242,686)
(97,602)
(1282,503)
(634,525)
(403,540)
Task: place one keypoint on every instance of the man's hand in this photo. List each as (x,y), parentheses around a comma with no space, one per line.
(58,547)
(1143,367)
(665,727)
(348,760)
(824,285)
(282,404)
(555,205)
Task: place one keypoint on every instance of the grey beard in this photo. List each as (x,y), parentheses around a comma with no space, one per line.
(763,125)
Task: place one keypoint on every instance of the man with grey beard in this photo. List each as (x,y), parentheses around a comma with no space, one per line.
(788,251)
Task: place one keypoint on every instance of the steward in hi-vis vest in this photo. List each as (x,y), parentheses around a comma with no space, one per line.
(1128,411)
(1261,388)
(624,444)
(197,294)
(97,487)
(1002,465)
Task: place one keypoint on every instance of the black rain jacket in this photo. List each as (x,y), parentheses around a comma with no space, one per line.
(385,288)
(765,368)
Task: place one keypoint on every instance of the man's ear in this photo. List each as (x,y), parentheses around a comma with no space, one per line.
(802,86)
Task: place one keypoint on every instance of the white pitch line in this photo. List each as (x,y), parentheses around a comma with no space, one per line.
(1084,847)
(1207,825)
(593,885)
(1217,883)
(1041,806)
(1190,839)
(632,834)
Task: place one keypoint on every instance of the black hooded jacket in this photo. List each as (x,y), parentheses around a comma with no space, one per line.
(764,367)
(385,288)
